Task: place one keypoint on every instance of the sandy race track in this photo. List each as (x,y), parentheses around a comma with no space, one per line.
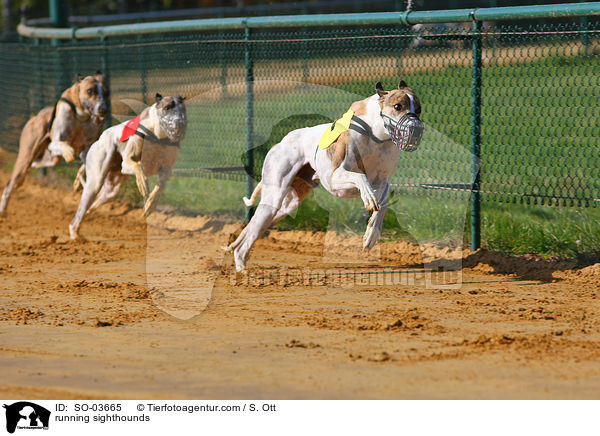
(153,311)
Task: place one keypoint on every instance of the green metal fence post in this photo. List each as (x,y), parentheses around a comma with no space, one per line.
(400,41)
(305,56)
(143,73)
(40,74)
(222,62)
(249,119)
(106,71)
(59,13)
(585,37)
(76,63)
(476,140)
(40,82)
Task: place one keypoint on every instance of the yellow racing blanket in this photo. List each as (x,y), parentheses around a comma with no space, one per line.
(336,129)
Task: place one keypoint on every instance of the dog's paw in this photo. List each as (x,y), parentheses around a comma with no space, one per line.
(370,238)
(142,185)
(149,207)
(74,234)
(370,200)
(372,234)
(369,243)
(68,155)
(77,184)
(372,205)
(240,263)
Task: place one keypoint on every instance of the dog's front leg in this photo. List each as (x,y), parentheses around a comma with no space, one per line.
(46,160)
(163,177)
(375,224)
(62,131)
(131,163)
(344,180)
(64,149)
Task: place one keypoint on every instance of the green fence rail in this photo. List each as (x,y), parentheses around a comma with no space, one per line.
(511,107)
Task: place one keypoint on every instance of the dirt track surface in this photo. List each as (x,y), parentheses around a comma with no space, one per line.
(105,318)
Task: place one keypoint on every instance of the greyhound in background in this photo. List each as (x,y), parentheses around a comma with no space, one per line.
(144,146)
(63,131)
(359,158)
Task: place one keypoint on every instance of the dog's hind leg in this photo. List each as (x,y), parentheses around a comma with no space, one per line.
(112,182)
(262,219)
(282,164)
(293,198)
(79,179)
(109,189)
(279,171)
(90,190)
(237,241)
(97,167)
(290,202)
(16,179)
(28,152)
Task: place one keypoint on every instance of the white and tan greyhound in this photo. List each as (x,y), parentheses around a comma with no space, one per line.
(356,155)
(144,146)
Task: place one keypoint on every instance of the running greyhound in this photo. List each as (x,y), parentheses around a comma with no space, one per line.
(65,130)
(356,155)
(143,146)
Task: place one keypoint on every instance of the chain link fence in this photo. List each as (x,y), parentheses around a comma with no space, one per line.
(540,97)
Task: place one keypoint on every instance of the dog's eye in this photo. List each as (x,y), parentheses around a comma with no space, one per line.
(398,107)
(90,91)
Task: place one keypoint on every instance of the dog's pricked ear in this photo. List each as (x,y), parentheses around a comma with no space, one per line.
(379,89)
(402,84)
(158,97)
(79,77)
(179,98)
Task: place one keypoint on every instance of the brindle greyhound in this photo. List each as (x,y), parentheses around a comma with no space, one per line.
(65,130)
(361,161)
(144,146)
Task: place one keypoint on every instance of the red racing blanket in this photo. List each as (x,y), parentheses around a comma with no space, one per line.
(130,128)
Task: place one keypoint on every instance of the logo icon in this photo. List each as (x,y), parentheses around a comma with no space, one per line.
(26,415)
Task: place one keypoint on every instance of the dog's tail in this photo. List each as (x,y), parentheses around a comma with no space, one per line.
(250,201)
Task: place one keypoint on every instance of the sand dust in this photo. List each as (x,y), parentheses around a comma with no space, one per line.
(155,311)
